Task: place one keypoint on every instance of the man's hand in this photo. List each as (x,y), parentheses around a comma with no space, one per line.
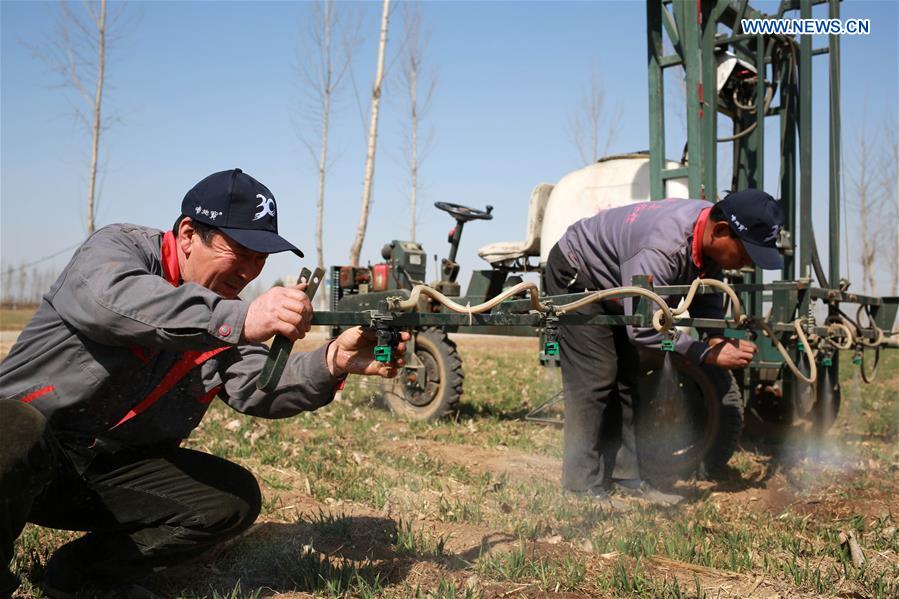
(730,353)
(283,311)
(353,353)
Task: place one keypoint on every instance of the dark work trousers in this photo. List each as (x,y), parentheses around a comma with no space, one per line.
(142,510)
(599,378)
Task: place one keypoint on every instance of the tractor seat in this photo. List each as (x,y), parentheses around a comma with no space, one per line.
(514,254)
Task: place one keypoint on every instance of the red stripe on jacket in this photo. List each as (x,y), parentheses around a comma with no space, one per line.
(35,394)
(189,360)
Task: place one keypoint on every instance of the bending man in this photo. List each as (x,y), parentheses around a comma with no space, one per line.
(674,241)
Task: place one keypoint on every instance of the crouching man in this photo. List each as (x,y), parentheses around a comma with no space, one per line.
(142,330)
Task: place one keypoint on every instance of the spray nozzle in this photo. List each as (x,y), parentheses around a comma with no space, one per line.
(387,337)
(386,343)
(551,335)
(668,342)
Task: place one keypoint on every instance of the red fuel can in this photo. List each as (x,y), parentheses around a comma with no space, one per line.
(380,276)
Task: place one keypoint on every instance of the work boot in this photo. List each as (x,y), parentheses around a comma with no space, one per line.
(640,489)
(9,582)
(127,591)
(604,499)
(62,579)
(68,577)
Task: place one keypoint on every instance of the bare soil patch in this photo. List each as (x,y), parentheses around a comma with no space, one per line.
(503,461)
(495,342)
(365,537)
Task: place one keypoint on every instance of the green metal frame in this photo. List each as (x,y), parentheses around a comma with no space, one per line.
(691,27)
(694,30)
(516,317)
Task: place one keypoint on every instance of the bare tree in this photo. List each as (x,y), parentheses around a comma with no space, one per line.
(418,88)
(36,285)
(23,284)
(8,278)
(890,185)
(864,198)
(323,67)
(590,127)
(78,55)
(356,249)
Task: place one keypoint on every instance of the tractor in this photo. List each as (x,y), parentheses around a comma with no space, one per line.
(431,383)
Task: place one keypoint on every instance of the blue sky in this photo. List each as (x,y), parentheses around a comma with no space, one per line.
(204,86)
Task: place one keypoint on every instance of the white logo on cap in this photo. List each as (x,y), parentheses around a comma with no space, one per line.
(267,206)
(212,214)
(740,226)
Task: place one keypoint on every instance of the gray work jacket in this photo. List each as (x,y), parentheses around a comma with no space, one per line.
(646,238)
(117,355)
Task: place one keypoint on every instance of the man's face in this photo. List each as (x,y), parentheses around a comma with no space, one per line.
(726,250)
(223,265)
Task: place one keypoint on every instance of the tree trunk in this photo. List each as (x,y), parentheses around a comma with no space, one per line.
(356,249)
(411,76)
(866,231)
(97,124)
(892,189)
(323,156)
(895,274)
(319,224)
(413,158)
(590,123)
(864,211)
(867,258)
(322,69)
(413,200)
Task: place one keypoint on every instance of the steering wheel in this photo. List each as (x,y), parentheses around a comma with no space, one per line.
(464,213)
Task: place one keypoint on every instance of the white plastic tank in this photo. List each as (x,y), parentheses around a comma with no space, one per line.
(608,183)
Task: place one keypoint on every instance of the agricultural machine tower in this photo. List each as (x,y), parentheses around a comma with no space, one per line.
(749,78)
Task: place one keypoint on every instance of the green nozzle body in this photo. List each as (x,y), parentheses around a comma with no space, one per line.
(383,353)
(386,343)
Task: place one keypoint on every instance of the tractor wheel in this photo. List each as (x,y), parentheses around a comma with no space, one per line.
(431,385)
(682,422)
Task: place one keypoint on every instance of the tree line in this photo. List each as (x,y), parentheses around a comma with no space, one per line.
(24,285)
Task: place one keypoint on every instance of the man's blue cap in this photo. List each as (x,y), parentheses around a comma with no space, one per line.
(756,219)
(240,207)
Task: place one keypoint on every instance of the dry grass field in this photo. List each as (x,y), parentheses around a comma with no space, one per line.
(360,504)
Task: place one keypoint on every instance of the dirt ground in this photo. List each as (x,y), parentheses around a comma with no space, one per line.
(369,534)
(358,503)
